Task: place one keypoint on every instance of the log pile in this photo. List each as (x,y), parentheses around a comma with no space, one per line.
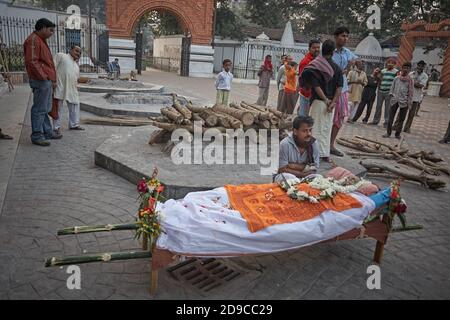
(237,116)
(427,163)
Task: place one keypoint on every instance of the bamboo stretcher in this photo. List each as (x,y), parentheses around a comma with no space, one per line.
(378,229)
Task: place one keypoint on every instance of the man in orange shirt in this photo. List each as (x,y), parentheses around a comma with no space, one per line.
(42,74)
(290,95)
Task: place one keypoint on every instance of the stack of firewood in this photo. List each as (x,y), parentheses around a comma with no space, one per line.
(237,116)
(427,163)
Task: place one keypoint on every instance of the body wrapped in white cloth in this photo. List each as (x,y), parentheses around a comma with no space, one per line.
(203,225)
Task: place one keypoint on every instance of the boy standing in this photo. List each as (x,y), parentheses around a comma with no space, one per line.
(290,96)
(223,83)
(401,95)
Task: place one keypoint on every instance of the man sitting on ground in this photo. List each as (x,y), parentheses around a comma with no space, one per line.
(299,152)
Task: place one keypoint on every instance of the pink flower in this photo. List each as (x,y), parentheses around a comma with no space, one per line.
(160,189)
(142,186)
(151,203)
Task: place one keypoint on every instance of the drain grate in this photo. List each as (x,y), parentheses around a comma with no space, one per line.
(204,274)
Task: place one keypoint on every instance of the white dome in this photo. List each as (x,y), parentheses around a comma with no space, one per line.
(369,46)
(288,36)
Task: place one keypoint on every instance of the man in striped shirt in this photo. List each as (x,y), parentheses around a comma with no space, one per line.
(388,75)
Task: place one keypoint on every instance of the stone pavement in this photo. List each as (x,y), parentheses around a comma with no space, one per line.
(56,187)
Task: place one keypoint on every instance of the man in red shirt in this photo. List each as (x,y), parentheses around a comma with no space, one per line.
(42,74)
(305,93)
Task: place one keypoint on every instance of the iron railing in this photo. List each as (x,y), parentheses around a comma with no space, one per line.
(164,64)
(15,30)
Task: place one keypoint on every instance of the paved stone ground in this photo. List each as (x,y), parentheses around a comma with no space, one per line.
(56,187)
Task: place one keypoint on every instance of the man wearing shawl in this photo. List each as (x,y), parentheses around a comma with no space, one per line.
(401,95)
(325,79)
(265,73)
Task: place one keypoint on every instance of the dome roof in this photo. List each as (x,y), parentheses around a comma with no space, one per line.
(369,46)
(263,36)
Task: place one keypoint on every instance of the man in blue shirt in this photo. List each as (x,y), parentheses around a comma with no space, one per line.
(344,58)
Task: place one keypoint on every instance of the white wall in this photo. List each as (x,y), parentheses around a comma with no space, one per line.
(167,47)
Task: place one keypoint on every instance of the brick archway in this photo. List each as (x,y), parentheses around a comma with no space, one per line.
(197,16)
(422,29)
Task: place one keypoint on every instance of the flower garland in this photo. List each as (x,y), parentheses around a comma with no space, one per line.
(329,187)
(148,220)
(397,206)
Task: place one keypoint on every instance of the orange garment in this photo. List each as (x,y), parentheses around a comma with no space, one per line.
(264,205)
(291,80)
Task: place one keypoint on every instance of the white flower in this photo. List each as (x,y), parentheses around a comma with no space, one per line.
(291,191)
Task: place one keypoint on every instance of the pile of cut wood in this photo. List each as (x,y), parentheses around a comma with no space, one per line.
(245,116)
(428,164)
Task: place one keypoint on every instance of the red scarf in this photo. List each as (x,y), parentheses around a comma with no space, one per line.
(268,65)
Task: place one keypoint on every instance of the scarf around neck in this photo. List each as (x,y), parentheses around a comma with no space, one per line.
(323,66)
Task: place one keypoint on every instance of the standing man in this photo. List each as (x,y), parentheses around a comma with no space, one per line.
(265,73)
(305,93)
(326,80)
(388,75)
(401,95)
(281,79)
(357,80)
(67,73)
(420,79)
(345,59)
(290,96)
(42,74)
(368,97)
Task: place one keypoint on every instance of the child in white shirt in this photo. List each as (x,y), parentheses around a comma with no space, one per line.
(223,83)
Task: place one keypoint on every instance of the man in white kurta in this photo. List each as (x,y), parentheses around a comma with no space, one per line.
(67,74)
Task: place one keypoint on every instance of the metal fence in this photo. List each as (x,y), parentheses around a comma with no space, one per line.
(248,57)
(164,64)
(14,32)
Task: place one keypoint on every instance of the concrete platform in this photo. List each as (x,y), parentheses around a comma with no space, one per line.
(117,88)
(130,156)
(126,104)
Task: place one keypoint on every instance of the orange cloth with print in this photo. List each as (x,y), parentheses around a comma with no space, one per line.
(264,205)
(291,79)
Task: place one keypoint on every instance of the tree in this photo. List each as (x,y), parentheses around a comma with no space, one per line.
(98,7)
(228,24)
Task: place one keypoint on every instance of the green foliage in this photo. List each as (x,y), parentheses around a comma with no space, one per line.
(228,24)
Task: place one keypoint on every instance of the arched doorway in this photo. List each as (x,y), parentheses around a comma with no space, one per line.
(196,16)
(422,29)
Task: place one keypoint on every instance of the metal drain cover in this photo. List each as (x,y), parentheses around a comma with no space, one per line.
(205,274)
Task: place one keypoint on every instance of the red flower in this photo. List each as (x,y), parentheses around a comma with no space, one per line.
(401,208)
(142,186)
(160,189)
(151,203)
(394,194)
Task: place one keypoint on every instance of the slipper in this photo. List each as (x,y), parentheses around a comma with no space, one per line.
(77,128)
(5,136)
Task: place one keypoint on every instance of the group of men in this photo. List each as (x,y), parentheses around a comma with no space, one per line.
(53,80)
(320,85)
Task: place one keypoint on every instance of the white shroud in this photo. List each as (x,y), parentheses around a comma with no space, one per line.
(203,225)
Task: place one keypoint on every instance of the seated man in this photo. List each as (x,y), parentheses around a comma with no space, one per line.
(299,152)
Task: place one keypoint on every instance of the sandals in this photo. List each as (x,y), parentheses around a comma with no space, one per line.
(77,128)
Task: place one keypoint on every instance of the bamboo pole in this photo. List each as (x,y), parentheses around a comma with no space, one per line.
(99,228)
(97,257)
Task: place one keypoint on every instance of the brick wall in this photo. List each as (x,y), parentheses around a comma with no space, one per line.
(196,16)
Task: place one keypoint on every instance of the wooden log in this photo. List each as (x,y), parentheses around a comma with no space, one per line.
(206,114)
(246,118)
(429,156)
(264,124)
(159,136)
(391,148)
(187,114)
(196,118)
(415,164)
(228,121)
(116,122)
(436,166)
(353,145)
(172,114)
(160,119)
(371,155)
(425,180)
